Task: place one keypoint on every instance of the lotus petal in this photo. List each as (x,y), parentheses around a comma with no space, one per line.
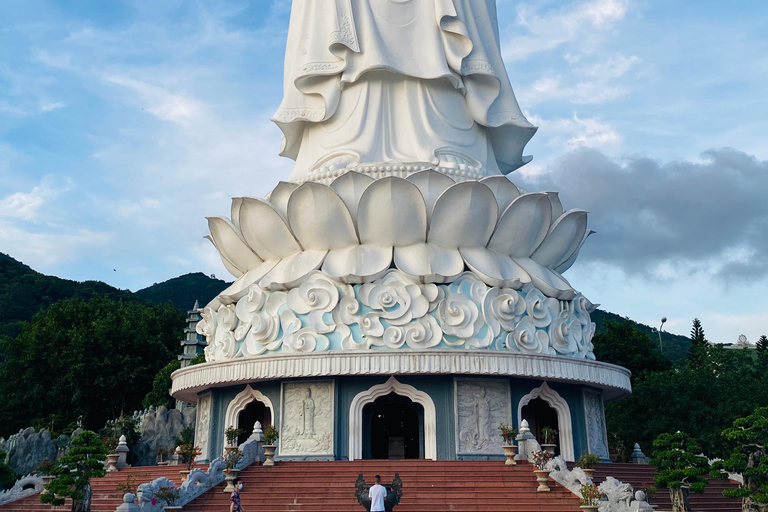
(504,190)
(563,240)
(569,262)
(292,269)
(557,206)
(434,264)
(319,219)
(431,184)
(523,226)
(237,202)
(464,216)
(239,288)
(392,213)
(231,268)
(495,269)
(265,231)
(357,263)
(230,245)
(550,283)
(279,197)
(350,187)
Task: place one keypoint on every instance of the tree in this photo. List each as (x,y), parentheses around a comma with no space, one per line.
(699,343)
(160,394)
(73,472)
(7,475)
(749,438)
(679,468)
(96,358)
(762,345)
(625,345)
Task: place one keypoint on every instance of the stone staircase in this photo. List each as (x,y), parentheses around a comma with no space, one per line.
(428,486)
(712,500)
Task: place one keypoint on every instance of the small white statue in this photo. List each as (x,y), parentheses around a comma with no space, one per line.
(418,82)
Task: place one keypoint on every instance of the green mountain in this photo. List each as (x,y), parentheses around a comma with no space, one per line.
(184,290)
(674,346)
(23,292)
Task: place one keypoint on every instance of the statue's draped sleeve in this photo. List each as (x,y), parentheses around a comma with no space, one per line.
(332,43)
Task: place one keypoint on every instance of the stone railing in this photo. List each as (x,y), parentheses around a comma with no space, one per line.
(198,482)
(24,486)
(618,495)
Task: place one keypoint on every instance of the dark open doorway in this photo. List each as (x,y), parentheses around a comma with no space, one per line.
(393,428)
(540,414)
(253,412)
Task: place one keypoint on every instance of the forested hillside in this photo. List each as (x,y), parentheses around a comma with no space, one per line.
(184,290)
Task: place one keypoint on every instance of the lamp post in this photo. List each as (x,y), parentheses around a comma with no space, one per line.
(663,321)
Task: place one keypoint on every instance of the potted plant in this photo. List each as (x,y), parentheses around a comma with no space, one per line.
(539,459)
(110,443)
(587,462)
(232,434)
(590,497)
(508,434)
(271,434)
(45,468)
(169,496)
(161,453)
(549,438)
(187,452)
(231,458)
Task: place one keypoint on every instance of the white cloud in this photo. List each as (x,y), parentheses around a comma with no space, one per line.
(577,22)
(28,205)
(41,249)
(175,107)
(575,133)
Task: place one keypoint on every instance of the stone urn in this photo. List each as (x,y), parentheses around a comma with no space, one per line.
(542,477)
(509,452)
(173,507)
(269,454)
(184,474)
(228,449)
(589,508)
(46,480)
(112,459)
(229,477)
(549,447)
(590,472)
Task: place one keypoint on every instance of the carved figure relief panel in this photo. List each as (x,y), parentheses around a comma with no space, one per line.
(203,426)
(597,438)
(481,406)
(307,424)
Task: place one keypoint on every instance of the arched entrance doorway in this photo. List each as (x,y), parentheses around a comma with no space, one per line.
(248,407)
(253,412)
(562,419)
(539,415)
(393,428)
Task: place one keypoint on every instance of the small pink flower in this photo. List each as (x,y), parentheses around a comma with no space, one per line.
(154,501)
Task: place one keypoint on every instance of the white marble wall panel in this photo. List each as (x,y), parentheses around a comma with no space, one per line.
(481,406)
(597,438)
(307,419)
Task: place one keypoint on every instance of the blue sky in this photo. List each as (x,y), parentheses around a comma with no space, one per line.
(123,124)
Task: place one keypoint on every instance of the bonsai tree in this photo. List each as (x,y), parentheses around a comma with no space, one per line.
(74,471)
(679,468)
(749,437)
(508,433)
(588,461)
(45,467)
(271,434)
(549,435)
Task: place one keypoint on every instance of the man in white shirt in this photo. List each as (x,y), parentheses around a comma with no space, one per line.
(376,494)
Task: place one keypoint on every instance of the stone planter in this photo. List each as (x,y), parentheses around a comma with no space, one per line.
(269,454)
(184,474)
(509,452)
(590,472)
(542,477)
(549,447)
(589,508)
(173,507)
(228,449)
(229,477)
(112,462)
(46,480)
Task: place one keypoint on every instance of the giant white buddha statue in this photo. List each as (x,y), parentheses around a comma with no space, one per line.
(404,85)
